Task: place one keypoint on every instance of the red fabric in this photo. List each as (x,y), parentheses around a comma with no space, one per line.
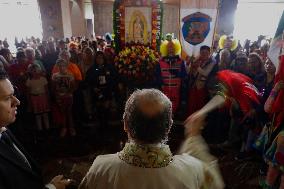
(39,103)
(279,117)
(240,88)
(272,174)
(109,51)
(64,102)
(62,109)
(278,104)
(17,74)
(57,117)
(279,156)
(171,83)
(197,98)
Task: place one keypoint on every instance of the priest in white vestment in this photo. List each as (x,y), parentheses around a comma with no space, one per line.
(146,161)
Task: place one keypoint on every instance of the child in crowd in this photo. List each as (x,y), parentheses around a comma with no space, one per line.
(38,96)
(63,87)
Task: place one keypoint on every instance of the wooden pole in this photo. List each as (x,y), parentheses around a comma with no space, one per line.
(216,22)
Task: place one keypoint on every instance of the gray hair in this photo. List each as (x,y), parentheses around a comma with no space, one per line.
(30,50)
(146,128)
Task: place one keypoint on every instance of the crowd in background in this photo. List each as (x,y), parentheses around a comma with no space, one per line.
(54,78)
(62,81)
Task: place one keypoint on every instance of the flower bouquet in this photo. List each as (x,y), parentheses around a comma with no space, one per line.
(136,64)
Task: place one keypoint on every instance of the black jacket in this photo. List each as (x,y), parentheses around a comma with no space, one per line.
(14,173)
(108,72)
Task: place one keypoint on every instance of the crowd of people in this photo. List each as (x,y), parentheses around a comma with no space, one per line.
(76,79)
(256,128)
(59,76)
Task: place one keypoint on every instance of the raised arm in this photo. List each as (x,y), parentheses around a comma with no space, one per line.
(195,146)
(274,93)
(205,72)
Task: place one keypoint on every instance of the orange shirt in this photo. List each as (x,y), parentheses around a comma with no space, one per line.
(72,68)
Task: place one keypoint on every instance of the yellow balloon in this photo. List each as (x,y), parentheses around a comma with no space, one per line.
(222,42)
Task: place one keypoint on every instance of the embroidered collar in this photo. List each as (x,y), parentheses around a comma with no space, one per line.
(146,156)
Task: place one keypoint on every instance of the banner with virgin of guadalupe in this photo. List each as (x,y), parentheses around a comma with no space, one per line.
(137,22)
(138,25)
(197,24)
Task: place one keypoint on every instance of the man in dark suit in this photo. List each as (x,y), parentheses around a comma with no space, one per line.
(17,169)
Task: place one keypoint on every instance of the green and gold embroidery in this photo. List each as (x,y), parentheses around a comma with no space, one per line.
(146,156)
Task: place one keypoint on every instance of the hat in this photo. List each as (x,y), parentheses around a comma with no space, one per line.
(108,37)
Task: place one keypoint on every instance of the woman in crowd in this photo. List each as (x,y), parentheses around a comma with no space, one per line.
(87,61)
(71,67)
(256,70)
(31,58)
(102,78)
(203,71)
(225,60)
(265,90)
(38,96)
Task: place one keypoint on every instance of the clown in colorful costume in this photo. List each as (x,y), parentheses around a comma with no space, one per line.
(229,44)
(172,70)
(232,87)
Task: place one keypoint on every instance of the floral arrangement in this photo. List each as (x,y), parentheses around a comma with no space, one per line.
(137,63)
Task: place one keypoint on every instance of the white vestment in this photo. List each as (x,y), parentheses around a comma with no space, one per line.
(154,167)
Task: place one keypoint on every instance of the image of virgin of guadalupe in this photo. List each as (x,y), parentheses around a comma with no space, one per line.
(138,30)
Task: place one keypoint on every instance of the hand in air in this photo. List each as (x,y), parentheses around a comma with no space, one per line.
(194,124)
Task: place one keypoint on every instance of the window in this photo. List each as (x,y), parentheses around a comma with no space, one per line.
(257,17)
(19,18)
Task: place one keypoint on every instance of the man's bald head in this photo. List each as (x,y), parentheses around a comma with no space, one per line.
(148,116)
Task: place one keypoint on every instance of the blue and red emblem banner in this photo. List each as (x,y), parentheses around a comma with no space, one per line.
(197,24)
(196,27)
